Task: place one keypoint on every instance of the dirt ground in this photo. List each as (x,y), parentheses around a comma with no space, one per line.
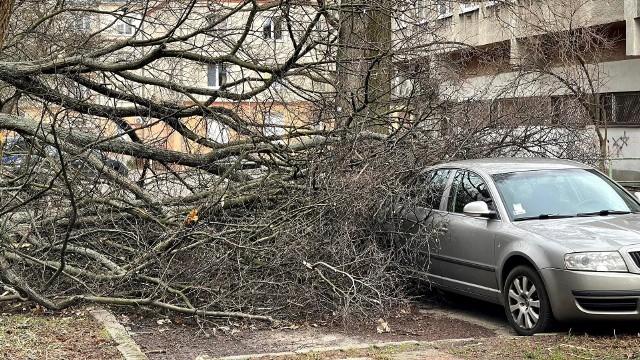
(29,332)
(182,338)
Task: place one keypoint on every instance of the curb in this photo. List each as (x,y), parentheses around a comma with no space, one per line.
(433,353)
(126,345)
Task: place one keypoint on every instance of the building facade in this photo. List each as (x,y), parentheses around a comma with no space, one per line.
(576,61)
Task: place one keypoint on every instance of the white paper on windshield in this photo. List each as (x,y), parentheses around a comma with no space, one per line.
(518,209)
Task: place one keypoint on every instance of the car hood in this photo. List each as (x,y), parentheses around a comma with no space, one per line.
(600,233)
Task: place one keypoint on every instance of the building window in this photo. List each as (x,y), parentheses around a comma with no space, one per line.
(81,23)
(216,75)
(421,10)
(273,124)
(216,24)
(622,108)
(469,7)
(443,9)
(217,132)
(403,86)
(124,27)
(401,19)
(567,111)
(272,28)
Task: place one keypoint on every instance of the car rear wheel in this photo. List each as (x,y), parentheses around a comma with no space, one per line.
(526,302)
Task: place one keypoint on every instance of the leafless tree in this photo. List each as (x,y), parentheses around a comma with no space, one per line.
(264,143)
(554,61)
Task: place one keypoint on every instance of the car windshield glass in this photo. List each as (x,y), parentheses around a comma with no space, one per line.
(530,194)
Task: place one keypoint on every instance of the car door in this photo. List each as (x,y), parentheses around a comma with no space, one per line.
(467,252)
(423,222)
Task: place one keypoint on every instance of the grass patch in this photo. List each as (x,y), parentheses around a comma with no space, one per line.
(560,347)
(39,336)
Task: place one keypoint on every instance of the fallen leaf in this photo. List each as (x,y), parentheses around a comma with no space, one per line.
(382,327)
(163,321)
(192,218)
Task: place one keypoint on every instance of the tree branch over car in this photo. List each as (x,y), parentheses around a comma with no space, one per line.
(286,133)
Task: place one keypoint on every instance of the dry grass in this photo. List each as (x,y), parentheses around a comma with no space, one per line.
(74,335)
(558,347)
(561,347)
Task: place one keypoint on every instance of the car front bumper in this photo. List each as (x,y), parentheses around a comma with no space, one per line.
(585,295)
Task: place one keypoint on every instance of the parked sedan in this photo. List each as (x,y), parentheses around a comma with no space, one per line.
(548,239)
(21,152)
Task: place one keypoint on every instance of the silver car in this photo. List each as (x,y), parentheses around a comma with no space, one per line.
(548,239)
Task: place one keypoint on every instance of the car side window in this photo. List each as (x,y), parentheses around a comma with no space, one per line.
(468,187)
(433,185)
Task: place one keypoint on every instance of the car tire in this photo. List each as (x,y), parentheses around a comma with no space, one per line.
(526,302)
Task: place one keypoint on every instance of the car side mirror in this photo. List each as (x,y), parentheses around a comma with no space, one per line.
(478,209)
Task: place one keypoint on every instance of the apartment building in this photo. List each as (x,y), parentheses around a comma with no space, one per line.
(237,59)
(240,63)
(540,53)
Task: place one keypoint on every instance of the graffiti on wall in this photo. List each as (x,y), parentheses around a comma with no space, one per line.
(619,143)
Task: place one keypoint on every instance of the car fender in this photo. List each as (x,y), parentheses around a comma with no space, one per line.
(538,251)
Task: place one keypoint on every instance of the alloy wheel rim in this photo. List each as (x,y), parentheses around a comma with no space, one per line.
(524,303)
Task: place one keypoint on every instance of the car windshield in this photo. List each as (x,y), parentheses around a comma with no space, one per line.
(563,192)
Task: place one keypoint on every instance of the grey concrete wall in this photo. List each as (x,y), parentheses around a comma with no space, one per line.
(614,76)
(624,151)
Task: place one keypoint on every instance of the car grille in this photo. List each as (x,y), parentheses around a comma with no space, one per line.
(608,305)
(635,256)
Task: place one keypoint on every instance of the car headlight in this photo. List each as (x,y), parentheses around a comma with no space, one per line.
(595,261)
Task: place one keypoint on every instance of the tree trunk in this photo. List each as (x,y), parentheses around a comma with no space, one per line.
(6,10)
(350,64)
(364,63)
(380,66)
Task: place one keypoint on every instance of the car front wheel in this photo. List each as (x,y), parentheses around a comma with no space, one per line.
(526,302)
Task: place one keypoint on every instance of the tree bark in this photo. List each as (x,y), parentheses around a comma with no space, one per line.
(364,63)
(6,10)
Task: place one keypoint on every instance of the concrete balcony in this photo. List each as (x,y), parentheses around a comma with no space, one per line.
(496,21)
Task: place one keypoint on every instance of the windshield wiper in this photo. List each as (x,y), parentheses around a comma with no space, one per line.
(544,217)
(605,213)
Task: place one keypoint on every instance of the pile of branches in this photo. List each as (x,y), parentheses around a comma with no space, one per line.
(277,247)
(289,242)
(286,217)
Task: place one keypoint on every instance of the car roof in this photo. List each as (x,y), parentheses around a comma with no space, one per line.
(514,164)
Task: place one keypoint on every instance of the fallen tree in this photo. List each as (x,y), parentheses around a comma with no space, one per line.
(262,220)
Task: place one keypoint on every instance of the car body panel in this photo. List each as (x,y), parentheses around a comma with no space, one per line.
(413,222)
(501,165)
(561,285)
(473,254)
(602,233)
(467,254)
